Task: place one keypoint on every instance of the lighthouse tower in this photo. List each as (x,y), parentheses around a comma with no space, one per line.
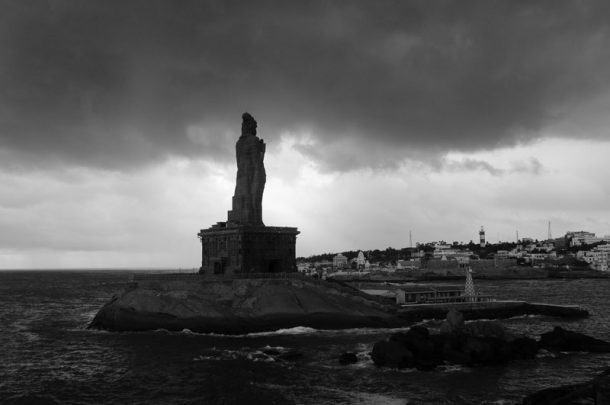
(482,237)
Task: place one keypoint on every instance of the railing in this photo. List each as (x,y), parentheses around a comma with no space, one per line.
(218,277)
(454,299)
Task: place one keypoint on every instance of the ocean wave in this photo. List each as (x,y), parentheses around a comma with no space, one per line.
(339,395)
(452,368)
(268,354)
(297,330)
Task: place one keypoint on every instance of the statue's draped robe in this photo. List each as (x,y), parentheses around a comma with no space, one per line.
(250,184)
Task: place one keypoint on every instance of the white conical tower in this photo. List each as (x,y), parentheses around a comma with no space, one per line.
(469,291)
(482,237)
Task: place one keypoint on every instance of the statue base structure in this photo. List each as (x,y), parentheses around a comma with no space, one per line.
(241,249)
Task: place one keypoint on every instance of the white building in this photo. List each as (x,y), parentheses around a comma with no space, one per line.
(339,261)
(443,251)
(580,238)
(303,267)
(598,257)
(502,254)
(360,260)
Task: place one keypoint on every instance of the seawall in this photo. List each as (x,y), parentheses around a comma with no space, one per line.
(489,310)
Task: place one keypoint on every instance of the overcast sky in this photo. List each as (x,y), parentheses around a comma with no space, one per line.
(118,121)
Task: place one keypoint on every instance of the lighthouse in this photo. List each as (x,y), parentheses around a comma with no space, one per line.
(482,237)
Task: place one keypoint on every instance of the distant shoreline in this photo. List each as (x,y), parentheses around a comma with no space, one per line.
(541,275)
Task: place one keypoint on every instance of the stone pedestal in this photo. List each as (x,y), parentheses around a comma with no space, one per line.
(236,249)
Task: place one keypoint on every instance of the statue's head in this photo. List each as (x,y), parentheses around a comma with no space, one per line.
(248,125)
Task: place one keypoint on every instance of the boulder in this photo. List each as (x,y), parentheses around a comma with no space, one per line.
(485,329)
(487,350)
(524,348)
(348,358)
(595,391)
(453,323)
(565,394)
(560,339)
(416,339)
(484,342)
(426,353)
(391,354)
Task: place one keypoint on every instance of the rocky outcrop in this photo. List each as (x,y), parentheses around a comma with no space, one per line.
(473,343)
(560,339)
(458,343)
(239,306)
(595,391)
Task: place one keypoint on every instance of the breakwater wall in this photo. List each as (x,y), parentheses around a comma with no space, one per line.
(489,310)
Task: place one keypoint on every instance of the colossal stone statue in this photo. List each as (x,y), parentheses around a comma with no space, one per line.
(247,207)
(243,244)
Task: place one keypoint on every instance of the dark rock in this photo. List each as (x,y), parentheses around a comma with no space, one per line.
(595,391)
(485,329)
(416,339)
(456,356)
(453,323)
(565,394)
(455,318)
(560,339)
(391,354)
(348,358)
(475,343)
(426,352)
(481,350)
(524,348)
(427,364)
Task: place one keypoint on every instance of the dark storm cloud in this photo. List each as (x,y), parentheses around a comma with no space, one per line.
(125,83)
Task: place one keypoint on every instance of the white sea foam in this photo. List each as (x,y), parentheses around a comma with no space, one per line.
(542,353)
(243,353)
(452,368)
(297,330)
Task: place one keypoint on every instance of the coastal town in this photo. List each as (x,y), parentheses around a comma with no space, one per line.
(575,251)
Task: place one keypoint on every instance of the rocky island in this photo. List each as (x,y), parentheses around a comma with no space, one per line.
(238,306)
(248,280)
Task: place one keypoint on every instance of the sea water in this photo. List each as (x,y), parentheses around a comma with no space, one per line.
(48,356)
